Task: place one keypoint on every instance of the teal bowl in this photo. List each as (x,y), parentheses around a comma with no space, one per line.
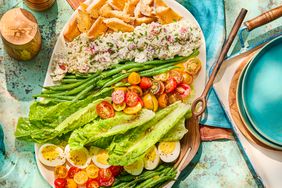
(262,91)
(245,118)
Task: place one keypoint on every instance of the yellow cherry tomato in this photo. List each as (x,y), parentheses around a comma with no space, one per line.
(121,88)
(134,109)
(80,177)
(187,78)
(134,78)
(92,171)
(71,183)
(193,66)
(150,102)
(136,89)
(163,100)
(119,107)
(181,67)
(162,77)
(61,172)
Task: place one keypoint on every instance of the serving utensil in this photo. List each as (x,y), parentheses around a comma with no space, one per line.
(192,140)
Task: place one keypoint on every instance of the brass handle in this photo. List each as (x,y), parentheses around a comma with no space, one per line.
(264,18)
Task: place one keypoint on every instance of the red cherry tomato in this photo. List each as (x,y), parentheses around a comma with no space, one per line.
(118,96)
(183,90)
(72,171)
(176,75)
(107,183)
(145,83)
(105,110)
(131,98)
(60,183)
(105,174)
(92,183)
(116,170)
(170,85)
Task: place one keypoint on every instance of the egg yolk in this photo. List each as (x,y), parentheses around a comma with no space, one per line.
(50,153)
(151,155)
(102,157)
(167,147)
(78,157)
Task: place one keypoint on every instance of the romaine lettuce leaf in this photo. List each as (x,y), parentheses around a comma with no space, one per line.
(126,153)
(176,133)
(104,128)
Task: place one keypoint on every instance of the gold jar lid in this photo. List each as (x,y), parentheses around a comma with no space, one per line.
(18,26)
(39,5)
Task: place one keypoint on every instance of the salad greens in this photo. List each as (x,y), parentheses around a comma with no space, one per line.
(104,128)
(176,133)
(48,120)
(128,148)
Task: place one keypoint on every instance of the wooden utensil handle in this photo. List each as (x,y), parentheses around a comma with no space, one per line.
(264,18)
(202,99)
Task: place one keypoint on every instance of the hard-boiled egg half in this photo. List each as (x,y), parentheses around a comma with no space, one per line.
(79,158)
(169,151)
(135,168)
(99,157)
(152,159)
(51,155)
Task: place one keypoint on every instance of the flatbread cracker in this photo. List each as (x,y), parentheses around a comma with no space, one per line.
(93,8)
(146,20)
(130,6)
(117,4)
(97,29)
(167,15)
(118,25)
(71,31)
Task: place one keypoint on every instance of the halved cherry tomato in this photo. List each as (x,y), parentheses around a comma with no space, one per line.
(173,98)
(60,183)
(163,100)
(145,83)
(157,87)
(181,67)
(187,78)
(183,90)
(136,89)
(131,98)
(116,170)
(150,102)
(72,171)
(193,66)
(105,110)
(92,171)
(118,96)
(176,75)
(71,183)
(92,184)
(134,78)
(61,172)
(80,177)
(107,183)
(162,77)
(119,107)
(170,85)
(133,110)
(105,174)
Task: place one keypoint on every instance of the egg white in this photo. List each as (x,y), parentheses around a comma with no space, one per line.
(152,159)
(60,159)
(136,168)
(83,150)
(172,156)
(95,153)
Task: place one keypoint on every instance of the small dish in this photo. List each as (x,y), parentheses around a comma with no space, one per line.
(245,118)
(262,91)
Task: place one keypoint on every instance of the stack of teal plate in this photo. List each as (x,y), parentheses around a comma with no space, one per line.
(259,94)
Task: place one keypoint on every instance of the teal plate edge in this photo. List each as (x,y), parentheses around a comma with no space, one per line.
(244,116)
(247,69)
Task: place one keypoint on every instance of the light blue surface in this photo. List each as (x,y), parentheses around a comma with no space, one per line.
(246,120)
(262,91)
